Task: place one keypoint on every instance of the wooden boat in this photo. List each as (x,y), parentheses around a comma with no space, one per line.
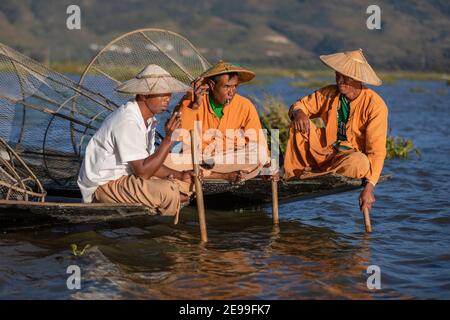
(15,215)
(219,194)
(257,192)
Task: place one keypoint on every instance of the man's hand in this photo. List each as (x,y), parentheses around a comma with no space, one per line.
(172,124)
(200,89)
(366,198)
(188,176)
(300,122)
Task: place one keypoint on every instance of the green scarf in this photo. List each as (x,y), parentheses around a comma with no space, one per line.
(217,108)
(343,114)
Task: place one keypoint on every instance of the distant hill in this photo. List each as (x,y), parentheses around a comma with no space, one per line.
(274,33)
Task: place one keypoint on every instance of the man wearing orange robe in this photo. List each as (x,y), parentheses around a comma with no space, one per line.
(353,140)
(233,144)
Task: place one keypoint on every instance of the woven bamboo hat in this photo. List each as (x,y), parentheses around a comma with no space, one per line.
(221,67)
(152,80)
(352,64)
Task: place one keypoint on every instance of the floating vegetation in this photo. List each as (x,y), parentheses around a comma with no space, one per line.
(312,84)
(278,73)
(68,67)
(260,82)
(274,115)
(77,252)
(392,76)
(398,147)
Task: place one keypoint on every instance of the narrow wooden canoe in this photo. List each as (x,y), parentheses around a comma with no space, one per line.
(255,192)
(17,215)
(219,194)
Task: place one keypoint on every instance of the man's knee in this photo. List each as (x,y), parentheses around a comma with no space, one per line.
(162,194)
(364,163)
(360,164)
(354,165)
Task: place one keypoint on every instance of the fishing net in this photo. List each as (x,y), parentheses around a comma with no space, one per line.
(130,53)
(17,181)
(45,117)
(48,118)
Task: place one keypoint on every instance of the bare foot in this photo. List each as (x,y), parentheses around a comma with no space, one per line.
(184,198)
(233,177)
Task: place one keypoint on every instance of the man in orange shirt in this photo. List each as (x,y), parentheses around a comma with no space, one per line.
(233,143)
(353,141)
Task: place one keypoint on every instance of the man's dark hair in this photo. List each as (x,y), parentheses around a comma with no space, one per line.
(230,75)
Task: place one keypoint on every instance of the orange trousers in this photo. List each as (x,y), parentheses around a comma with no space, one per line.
(307,155)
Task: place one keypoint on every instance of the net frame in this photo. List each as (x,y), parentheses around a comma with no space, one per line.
(156,41)
(143,31)
(17,181)
(30,90)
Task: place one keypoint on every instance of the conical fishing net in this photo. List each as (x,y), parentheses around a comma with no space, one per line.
(40,120)
(48,118)
(130,53)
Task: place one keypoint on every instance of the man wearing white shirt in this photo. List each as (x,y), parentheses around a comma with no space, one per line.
(121,164)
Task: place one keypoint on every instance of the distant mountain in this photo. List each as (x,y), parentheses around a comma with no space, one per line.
(273,33)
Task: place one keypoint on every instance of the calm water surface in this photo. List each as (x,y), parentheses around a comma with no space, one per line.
(319,251)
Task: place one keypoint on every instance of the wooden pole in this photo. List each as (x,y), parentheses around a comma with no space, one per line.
(198,188)
(275,218)
(367,222)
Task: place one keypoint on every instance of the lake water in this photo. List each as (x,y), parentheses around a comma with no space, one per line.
(319,251)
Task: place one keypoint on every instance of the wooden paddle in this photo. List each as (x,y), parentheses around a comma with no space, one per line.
(198,188)
(367,222)
(275,217)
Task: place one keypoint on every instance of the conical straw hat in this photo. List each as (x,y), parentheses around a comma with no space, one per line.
(352,64)
(221,67)
(152,80)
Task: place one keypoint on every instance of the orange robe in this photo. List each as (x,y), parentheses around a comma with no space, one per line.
(366,135)
(240,113)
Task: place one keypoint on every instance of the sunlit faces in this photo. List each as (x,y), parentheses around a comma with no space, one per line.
(157,103)
(348,86)
(225,89)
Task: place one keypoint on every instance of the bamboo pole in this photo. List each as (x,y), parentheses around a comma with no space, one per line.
(198,188)
(275,217)
(367,222)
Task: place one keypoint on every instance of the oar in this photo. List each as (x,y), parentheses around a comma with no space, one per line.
(367,222)
(275,217)
(198,188)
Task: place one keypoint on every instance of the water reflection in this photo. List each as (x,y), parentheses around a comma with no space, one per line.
(246,258)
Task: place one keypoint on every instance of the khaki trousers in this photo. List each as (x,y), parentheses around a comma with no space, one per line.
(162,195)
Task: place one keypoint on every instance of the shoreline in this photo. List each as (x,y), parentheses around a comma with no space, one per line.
(385,75)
